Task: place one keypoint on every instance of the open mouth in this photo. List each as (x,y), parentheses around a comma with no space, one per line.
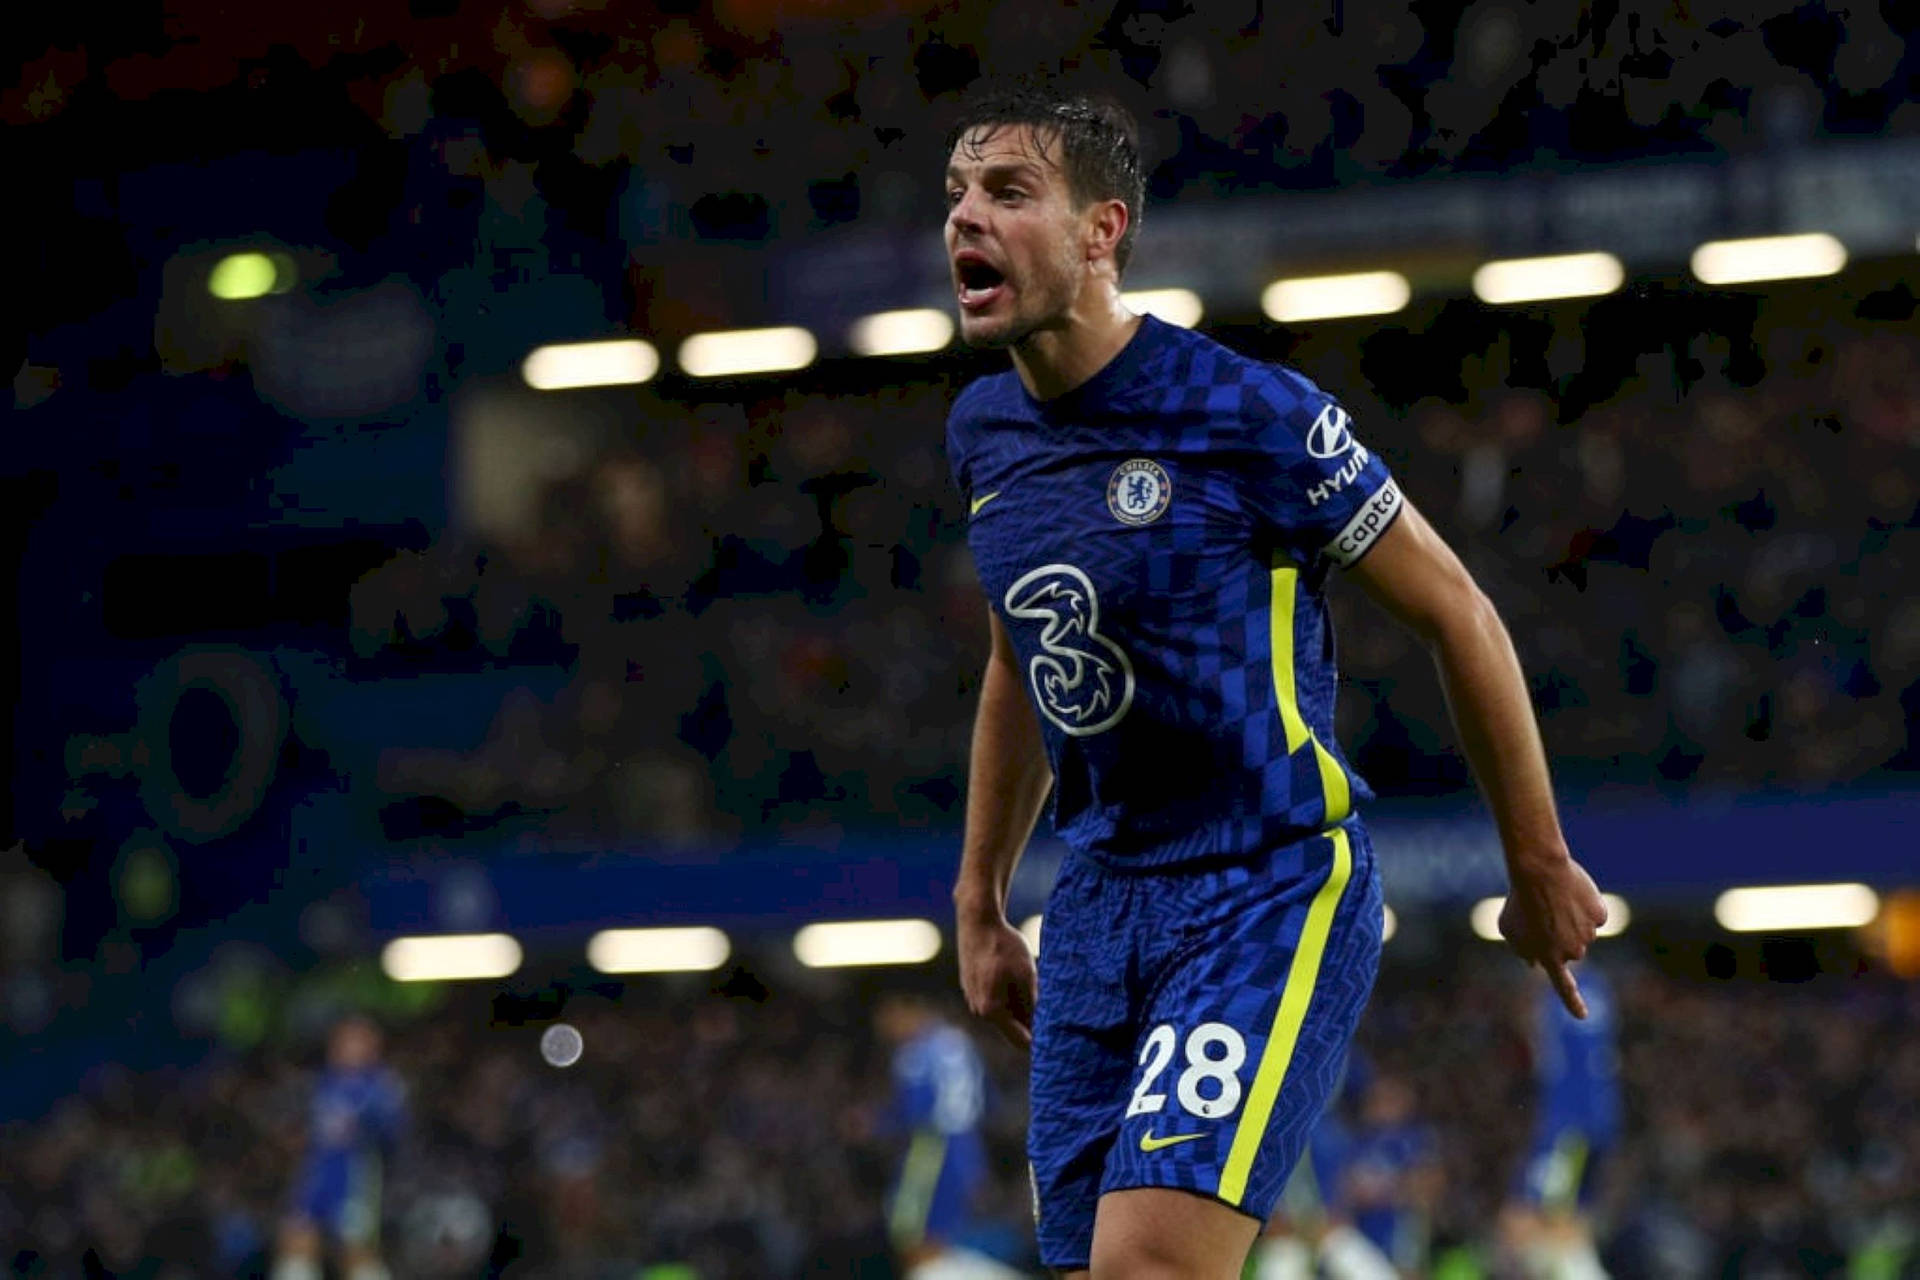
(980,281)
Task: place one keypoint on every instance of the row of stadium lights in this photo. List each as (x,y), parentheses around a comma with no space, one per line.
(1296,300)
(859,943)
(734,353)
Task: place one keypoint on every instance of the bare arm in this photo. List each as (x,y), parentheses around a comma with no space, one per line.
(1554,909)
(1007,781)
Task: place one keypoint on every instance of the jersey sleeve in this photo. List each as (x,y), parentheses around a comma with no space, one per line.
(1323,492)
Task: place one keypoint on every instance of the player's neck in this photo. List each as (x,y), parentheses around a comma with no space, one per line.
(1057,359)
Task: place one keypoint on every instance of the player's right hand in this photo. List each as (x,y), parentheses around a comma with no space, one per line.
(998,977)
(1551,916)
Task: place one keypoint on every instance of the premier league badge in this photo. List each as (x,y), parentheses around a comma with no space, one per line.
(1139,491)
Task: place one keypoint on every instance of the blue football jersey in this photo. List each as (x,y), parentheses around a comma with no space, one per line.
(1579,1062)
(1155,543)
(939,1082)
(356,1111)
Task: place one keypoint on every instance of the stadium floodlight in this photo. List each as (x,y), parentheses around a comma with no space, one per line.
(1798,257)
(694,949)
(1030,930)
(901,333)
(1389,923)
(1567,275)
(838,944)
(1180,307)
(1361,293)
(1790,908)
(240,276)
(729,353)
(1485,917)
(450,957)
(564,366)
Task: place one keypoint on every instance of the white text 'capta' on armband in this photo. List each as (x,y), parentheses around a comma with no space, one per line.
(1368,523)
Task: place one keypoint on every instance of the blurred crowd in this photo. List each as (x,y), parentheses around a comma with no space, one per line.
(761,600)
(1697,524)
(755,117)
(1702,554)
(640,147)
(1234,96)
(733,1132)
(765,610)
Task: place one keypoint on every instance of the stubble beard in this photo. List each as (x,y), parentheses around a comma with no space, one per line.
(1056,301)
(1004,337)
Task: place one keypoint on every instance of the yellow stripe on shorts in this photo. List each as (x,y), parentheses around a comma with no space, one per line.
(1334,787)
(1302,975)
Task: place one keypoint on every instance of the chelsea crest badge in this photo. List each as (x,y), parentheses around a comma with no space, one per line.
(1139,491)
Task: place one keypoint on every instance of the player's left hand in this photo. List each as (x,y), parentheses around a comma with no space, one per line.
(1551,916)
(997,975)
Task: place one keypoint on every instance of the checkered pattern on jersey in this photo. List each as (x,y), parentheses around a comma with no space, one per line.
(1124,953)
(1147,645)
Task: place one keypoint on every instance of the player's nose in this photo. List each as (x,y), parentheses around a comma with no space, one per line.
(967,213)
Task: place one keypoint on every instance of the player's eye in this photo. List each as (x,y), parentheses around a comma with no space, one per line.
(953,196)
(1012,195)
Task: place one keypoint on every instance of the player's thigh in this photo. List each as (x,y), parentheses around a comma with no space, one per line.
(1083,1036)
(1248,1032)
(1151,1233)
(1078,1090)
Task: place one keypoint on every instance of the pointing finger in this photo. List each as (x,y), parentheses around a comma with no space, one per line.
(1567,987)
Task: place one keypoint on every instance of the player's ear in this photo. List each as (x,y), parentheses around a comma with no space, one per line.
(1107,222)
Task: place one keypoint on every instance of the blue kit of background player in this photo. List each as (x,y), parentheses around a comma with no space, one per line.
(1578,1072)
(939,1100)
(358,1108)
(1154,543)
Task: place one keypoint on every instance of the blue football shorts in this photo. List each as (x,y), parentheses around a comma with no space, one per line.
(339,1192)
(933,1199)
(1192,1025)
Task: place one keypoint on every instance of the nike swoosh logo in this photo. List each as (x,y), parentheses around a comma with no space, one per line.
(982,501)
(1150,1143)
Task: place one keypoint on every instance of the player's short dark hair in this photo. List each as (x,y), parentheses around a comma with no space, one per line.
(1099,143)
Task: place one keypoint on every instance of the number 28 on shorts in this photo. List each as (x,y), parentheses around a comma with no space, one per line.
(1208,1081)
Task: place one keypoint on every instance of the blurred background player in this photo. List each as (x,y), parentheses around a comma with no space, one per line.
(1392,1175)
(1312,1232)
(358,1108)
(1577,1070)
(939,1101)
